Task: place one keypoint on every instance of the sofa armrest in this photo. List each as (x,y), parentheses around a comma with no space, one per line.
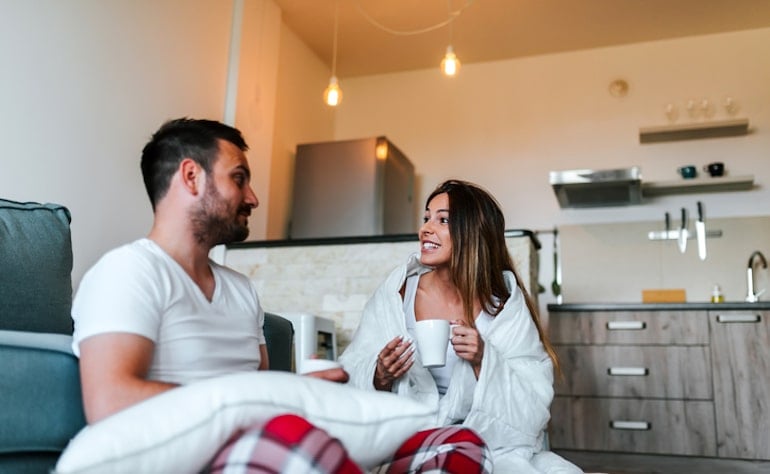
(279,333)
(42,403)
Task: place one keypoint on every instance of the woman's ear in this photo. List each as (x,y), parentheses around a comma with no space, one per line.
(190,173)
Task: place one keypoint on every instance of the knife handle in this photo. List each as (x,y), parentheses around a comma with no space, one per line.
(700,211)
(684,218)
(668,222)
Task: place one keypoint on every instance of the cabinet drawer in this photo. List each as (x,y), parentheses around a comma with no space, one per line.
(682,372)
(629,327)
(636,426)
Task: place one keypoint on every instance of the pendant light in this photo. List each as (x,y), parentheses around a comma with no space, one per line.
(450,65)
(333,93)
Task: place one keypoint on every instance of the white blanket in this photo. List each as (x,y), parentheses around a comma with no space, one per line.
(508,405)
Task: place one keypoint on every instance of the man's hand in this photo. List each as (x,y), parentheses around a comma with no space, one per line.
(332,375)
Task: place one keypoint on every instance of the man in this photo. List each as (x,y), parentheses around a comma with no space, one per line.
(157,313)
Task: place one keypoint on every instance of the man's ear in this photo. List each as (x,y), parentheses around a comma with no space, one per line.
(190,173)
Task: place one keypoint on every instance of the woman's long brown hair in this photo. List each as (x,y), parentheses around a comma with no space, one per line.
(479,253)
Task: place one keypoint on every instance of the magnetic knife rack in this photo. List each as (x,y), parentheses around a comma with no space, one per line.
(673,234)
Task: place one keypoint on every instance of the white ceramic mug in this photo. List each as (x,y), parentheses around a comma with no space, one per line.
(432,340)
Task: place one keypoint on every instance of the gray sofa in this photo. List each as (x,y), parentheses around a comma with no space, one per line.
(39,381)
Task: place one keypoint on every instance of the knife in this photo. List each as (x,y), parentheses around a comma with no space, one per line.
(683,232)
(700,231)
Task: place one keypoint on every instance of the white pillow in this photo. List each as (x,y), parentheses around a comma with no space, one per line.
(182,429)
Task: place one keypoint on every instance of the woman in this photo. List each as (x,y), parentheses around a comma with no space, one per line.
(499,372)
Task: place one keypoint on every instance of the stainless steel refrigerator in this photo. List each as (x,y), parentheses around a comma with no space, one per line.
(347,188)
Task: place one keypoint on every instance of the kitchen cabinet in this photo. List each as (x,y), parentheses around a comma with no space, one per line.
(680,379)
(740,351)
(633,381)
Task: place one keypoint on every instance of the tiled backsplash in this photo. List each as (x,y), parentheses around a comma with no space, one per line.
(615,262)
(335,281)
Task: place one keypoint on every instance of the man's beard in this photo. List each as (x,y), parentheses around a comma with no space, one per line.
(214,223)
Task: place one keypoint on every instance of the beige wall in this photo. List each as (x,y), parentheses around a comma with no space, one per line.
(83,85)
(260,25)
(300,117)
(507,124)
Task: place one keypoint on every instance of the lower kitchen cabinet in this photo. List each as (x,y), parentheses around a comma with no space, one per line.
(740,349)
(629,425)
(692,382)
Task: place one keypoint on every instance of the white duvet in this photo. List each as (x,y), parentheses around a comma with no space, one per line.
(508,405)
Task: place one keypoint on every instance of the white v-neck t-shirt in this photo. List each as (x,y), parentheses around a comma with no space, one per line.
(441,375)
(138,288)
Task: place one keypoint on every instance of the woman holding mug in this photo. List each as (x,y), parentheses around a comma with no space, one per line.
(498,379)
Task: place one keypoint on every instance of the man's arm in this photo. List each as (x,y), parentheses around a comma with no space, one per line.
(264,363)
(113,367)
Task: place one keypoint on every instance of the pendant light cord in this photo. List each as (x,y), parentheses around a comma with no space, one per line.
(452,17)
(334,46)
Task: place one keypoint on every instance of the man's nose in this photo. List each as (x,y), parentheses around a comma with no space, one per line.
(251,197)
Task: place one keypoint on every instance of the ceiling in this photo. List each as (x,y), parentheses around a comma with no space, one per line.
(492,30)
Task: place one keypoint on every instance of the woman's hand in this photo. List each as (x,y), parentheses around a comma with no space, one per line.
(393,361)
(468,344)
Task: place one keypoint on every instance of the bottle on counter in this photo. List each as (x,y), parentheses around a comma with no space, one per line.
(716,295)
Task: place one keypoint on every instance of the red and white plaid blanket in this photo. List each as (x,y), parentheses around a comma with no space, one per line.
(289,444)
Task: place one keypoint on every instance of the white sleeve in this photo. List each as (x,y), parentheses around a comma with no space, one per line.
(121,293)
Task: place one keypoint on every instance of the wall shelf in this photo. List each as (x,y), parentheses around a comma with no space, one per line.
(697,185)
(690,131)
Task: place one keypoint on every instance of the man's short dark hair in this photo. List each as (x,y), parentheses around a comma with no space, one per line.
(178,139)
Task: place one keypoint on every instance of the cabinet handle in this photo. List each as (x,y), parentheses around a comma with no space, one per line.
(631,425)
(621,325)
(738,318)
(628,371)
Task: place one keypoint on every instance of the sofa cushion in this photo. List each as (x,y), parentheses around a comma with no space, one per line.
(40,387)
(182,429)
(36,262)
(279,333)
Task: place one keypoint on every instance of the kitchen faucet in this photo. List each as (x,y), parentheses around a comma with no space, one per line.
(752,297)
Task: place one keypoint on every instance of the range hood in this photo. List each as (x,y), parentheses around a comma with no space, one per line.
(597,188)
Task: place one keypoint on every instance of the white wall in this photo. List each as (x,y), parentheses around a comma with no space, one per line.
(83,84)
(506,124)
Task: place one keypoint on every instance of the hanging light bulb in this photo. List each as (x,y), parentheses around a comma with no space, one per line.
(450,64)
(333,93)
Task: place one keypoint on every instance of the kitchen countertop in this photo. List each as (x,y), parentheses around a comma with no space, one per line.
(373,239)
(727,305)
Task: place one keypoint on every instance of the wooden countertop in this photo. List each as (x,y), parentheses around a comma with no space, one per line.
(593,307)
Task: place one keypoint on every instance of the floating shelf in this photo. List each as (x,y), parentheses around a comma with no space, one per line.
(697,185)
(690,131)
